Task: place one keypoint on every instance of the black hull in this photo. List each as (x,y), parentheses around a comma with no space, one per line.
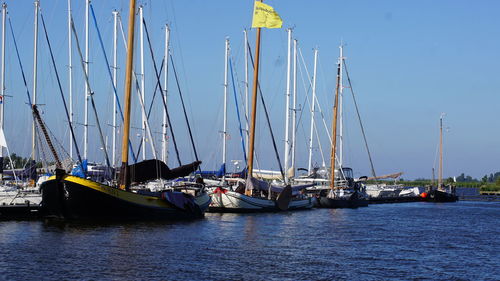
(325,202)
(68,199)
(397,199)
(441,196)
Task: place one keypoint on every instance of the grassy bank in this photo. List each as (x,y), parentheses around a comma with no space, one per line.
(490,187)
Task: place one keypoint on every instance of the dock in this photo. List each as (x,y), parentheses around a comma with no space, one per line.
(21,211)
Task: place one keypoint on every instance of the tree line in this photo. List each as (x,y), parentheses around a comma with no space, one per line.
(491,178)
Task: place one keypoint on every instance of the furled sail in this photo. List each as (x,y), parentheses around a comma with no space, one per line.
(155,169)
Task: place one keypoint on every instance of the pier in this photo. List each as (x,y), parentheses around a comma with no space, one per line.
(21,211)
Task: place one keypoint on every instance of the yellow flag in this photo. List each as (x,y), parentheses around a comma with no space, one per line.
(265,16)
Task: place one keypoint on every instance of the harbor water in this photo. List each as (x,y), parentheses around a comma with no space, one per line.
(410,241)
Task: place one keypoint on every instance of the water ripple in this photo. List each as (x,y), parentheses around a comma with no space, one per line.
(412,241)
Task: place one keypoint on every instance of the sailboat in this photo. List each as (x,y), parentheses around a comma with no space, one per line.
(254,195)
(344,190)
(441,193)
(73,197)
(18,199)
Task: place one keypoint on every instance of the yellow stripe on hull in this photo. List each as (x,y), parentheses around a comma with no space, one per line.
(131,197)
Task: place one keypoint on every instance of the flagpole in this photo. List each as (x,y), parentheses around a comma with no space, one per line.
(254,106)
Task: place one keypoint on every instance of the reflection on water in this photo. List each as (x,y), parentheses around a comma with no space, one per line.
(381,242)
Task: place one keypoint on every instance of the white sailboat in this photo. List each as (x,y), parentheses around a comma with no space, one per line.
(253,195)
(15,197)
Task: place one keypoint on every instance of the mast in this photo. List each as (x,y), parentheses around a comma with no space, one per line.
(35,67)
(433,177)
(246,87)
(115,77)
(224,130)
(2,84)
(164,143)
(334,129)
(440,172)
(341,114)
(287,111)
(87,90)
(313,108)
(294,111)
(70,78)
(124,171)
(254,104)
(143,123)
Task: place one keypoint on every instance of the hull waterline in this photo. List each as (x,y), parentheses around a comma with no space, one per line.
(440,196)
(325,202)
(234,202)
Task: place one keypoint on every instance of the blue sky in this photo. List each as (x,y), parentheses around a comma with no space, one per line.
(408,61)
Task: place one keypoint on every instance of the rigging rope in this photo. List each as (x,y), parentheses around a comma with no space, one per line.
(151,104)
(62,97)
(111,76)
(267,117)
(22,70)
(161,89)
(238,111)
(20,63)
(45,133)
(184,108)
(91,94)
(156,88)
(359,118)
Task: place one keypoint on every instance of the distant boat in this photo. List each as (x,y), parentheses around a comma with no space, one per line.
(72,197)
(346,192)
(343,191)
(394,192)
(441,193)
(436,195)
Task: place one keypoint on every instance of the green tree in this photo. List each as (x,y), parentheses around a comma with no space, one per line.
(497,182)
(485,179)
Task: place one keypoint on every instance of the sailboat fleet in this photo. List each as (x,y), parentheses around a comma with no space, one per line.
(149,189)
